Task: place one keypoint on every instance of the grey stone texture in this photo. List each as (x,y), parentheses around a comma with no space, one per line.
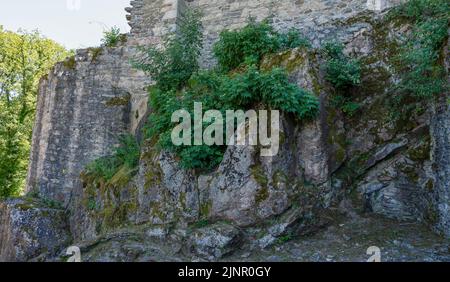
(84,105)
(440,155)
(314,18)
(395,167)
(29,230)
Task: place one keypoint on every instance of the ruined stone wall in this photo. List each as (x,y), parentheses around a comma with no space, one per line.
(151,19)
(86,102)
(83,106)
(74,126)
(315,18)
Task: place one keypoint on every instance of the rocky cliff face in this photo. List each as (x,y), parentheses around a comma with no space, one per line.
(335,166)
(31,229)
(440,132)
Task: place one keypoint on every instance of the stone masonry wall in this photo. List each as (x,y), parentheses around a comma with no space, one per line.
(74,126)
(150,20)
(77,120)
(86,102)
(315,18)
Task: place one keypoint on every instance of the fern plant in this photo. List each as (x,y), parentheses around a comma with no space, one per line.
(252,42)
(341,71)
(237,84)
(112,37)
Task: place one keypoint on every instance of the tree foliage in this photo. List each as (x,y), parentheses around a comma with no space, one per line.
(24,58)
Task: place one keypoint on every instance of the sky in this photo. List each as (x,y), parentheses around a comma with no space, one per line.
(72,23)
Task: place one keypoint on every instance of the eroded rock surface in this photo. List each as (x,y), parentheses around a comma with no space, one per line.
(281,208)
(30,230)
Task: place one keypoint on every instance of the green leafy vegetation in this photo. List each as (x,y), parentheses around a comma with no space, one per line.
(284,239)
(293,39)
(237,83)
(421,10)
(25,57)
(252,42)
(343,73)
(125,155)
(112,37)
(422,74)
(201,224)
(34,196)
(174,64)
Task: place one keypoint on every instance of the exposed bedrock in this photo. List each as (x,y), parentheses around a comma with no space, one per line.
(371,163)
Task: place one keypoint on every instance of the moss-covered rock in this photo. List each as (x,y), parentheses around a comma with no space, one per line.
(119,101)
(29,228)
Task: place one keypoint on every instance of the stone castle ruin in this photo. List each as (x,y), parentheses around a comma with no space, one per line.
(60,147)
(87,101)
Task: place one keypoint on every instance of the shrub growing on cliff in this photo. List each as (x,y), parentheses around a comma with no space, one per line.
(421,10)
(224,92)
(104,167)
(341,71)
(252,42)
(423,75)
(237,84)
(293,39)
(272,88)
(128,152)
(171,66)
